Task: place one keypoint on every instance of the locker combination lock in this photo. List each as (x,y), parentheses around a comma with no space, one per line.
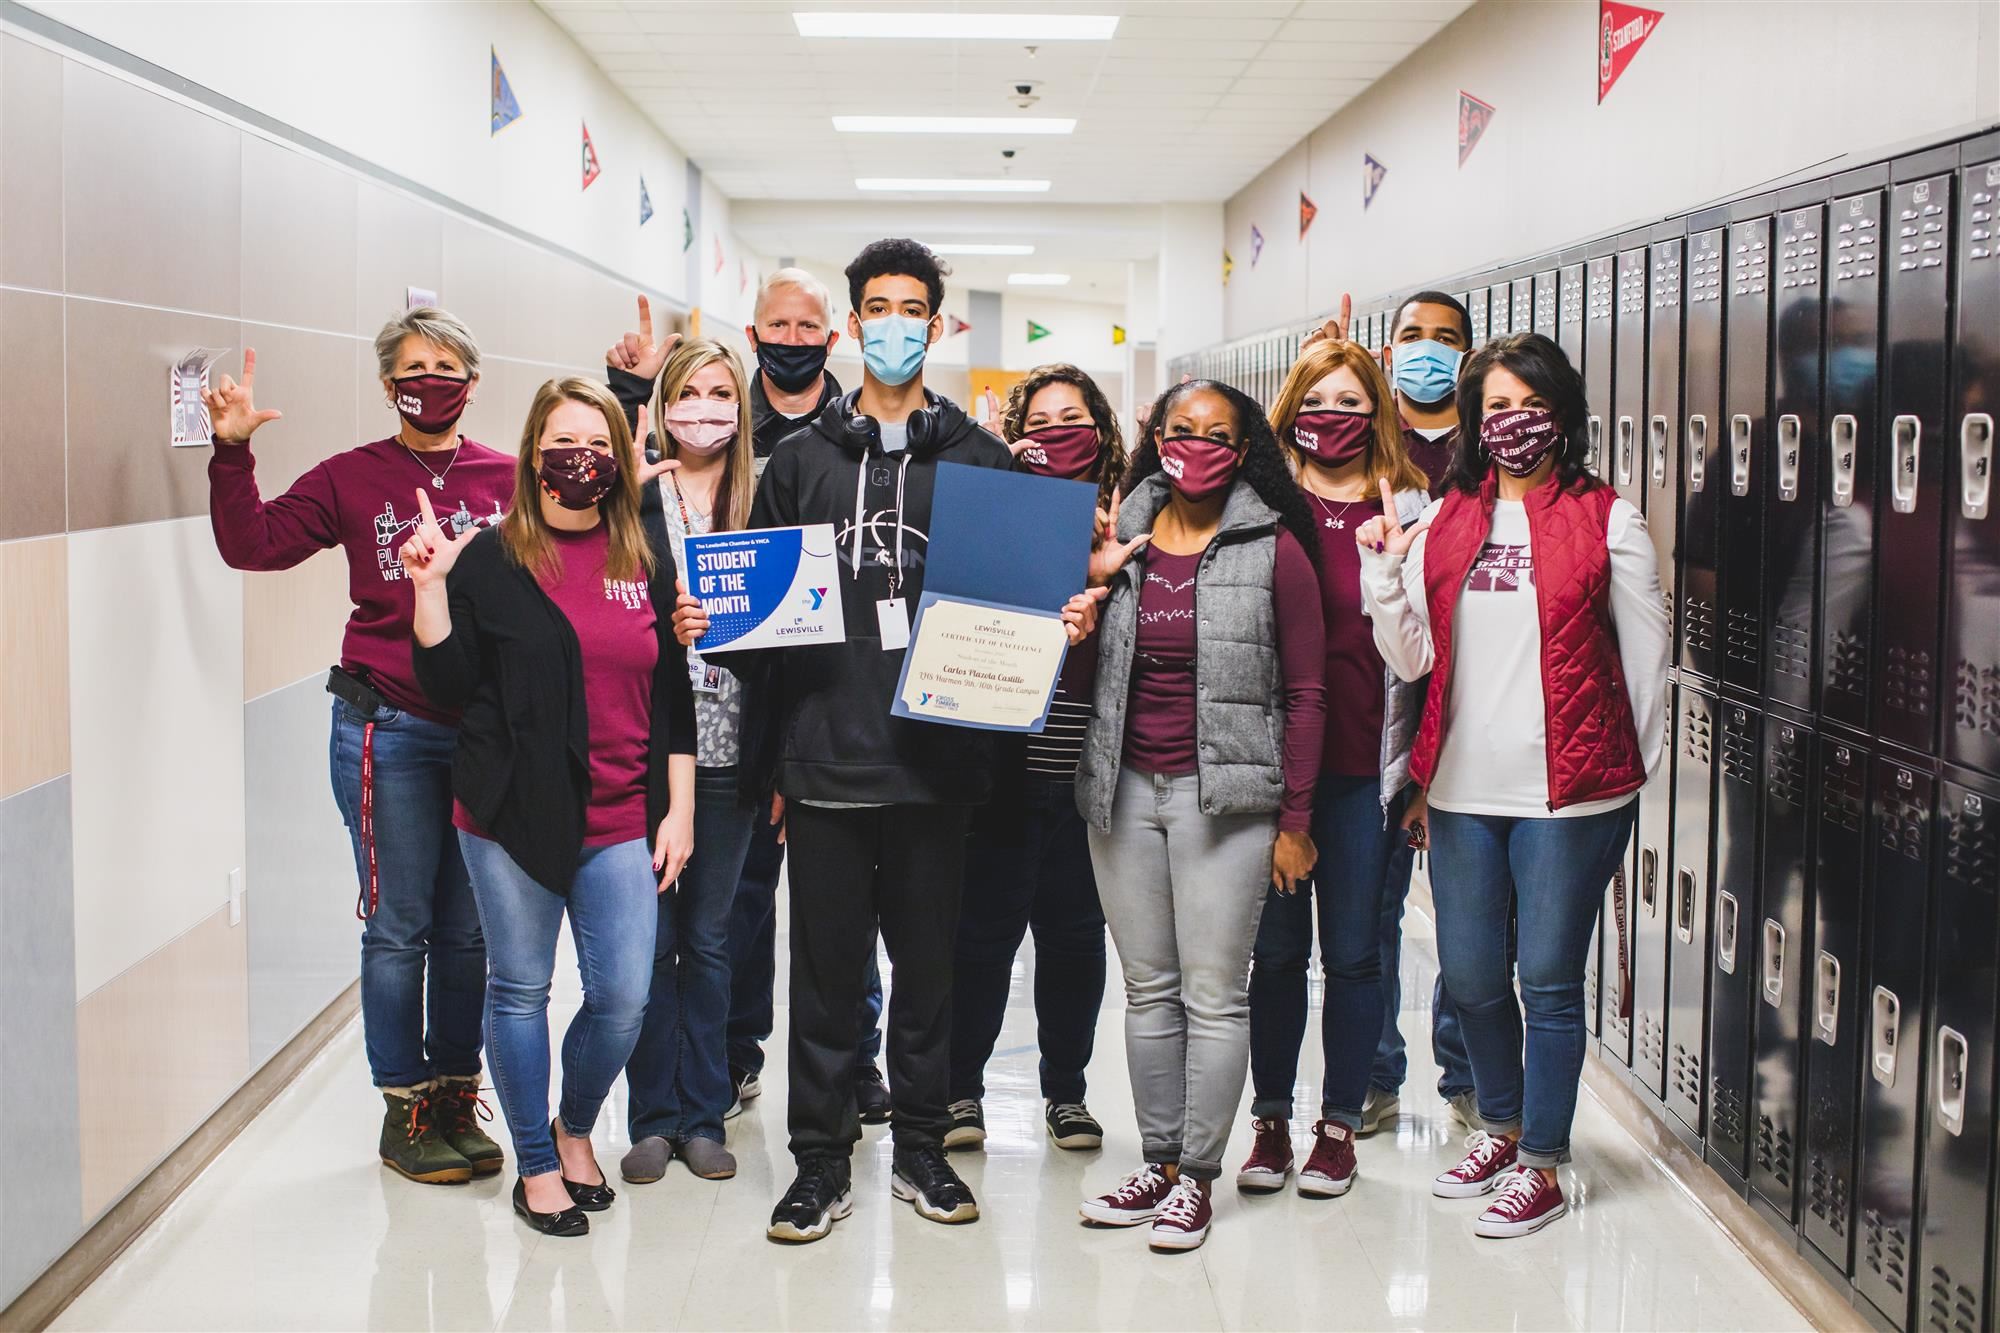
(1788,457)
(1906,436)
(1826,1016)
(1975,463)
(1627,442)
(1887,1011)
(1840,443)
(1774,964)
(1725,932)
(1656,450)
(1951,1062)
(1739,454)
(1697,451)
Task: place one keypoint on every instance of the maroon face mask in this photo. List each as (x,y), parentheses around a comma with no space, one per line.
(1061,451)
(1334,438)
(1198,467)
(1518,439)
(577,476)
(432,403)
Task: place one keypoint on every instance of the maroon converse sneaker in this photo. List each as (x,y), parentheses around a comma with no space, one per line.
(1528,1202)
(1330,1171)
(1183,1220)
(1270,1164)
(1488,1157)
(1137,1199)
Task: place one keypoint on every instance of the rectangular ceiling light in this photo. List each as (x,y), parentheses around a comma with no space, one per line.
(960,27)
(1038,279)
(974,248)
(954,125)
(967,185)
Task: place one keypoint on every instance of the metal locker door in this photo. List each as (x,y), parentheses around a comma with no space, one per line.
(1687,971)
(1499,309)
(1791,480)
(1838,1023)
(1952,1244)
(1733,942)
(1652,924)
(1781,982)
(1546,287)
(1909,560)
(1703,473)
(1892,1102)
(1972,520)
(1524,305)
(1599,333)
(1663,409)
(1475,305)
(1569,310)
(1852,441)
(1625,437)
(1746,406)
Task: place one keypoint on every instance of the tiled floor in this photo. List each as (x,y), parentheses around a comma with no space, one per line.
(296,1226)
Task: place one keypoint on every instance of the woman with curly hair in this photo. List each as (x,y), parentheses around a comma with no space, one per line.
(1197,774)
(1027,862)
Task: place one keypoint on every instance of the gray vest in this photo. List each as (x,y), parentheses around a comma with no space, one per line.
(1239,688)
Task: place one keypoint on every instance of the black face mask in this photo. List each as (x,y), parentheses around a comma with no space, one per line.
(791,366)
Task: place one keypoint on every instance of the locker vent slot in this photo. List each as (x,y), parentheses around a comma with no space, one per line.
(1786,779)
(1687,1074)
(1976,696)
(1725,1109)
(1791,649)
(1900,825)
(1971,856)
(1840,798)
(1746,636)
(1649,1052)
(1696,730)
(1950,1306)
(1886,1251)
(1774,1150)
(1698,618)
(1826,1192)
(1848,669)
(1739,756)
(1906,681)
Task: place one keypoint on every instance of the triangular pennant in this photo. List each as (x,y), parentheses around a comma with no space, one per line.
(591,171)
(687,231)
(1621,31)
(718,255)
(955,325)
(1117,335)
(1256,245)
(1036,331)
(1473,118)
(1372,173)
(1308,210)
(743,277)
(1228,267)
(505,109)
(645,203)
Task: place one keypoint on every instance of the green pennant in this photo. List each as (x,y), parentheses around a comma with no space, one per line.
(1036,331)
(687,231)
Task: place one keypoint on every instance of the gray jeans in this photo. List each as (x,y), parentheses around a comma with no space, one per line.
(1182,893)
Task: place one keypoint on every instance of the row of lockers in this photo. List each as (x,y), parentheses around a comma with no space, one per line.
(1797,388)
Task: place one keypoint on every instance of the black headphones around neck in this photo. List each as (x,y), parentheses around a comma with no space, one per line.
(859,431)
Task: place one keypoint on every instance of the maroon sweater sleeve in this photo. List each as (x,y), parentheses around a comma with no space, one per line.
(1295,595)
(255,535)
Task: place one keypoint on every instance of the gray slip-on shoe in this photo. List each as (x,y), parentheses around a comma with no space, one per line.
(707,1158)
(647,1161)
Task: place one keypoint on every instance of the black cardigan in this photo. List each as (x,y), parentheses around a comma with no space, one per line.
(513,667)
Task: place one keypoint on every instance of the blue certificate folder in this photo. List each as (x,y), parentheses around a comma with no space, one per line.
(1008,540)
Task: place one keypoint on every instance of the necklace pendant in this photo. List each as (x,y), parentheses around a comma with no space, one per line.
(437,483)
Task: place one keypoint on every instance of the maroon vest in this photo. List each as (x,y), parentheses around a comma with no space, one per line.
(1593,741)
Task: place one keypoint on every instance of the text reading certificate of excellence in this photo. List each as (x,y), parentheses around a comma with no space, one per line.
(982,665)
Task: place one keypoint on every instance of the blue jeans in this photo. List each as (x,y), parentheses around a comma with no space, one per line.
(753,959)
(424,935)
(1392,1064)
(612,912)
(1553,871)
(1354,850)
(678,1073)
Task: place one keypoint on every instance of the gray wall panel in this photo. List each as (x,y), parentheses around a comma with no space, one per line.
(31,241)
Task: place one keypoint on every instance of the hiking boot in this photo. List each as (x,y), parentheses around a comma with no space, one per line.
(413,1142)
(460,1109)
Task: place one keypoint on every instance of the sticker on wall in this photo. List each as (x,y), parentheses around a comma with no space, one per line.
(1308,210)
(1256,245)
(687,231)
(1621,31)
(645,203)
(505,109)
(591,171)
(1473,118)
(1372,173)
(955,326)
(1117,335)
(1228,267)
(187,380)
(414,297)
(1036,332)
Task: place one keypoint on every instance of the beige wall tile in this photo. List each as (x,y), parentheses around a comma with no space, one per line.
(310,378)
(32,485)
(293,622)
(401,245)
(298,238)
(495,284)
(156,737)
(159,1046)
(34,662)
(31,239)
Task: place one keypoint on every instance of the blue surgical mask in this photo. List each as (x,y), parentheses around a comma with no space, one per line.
(1425,371)
(893,347)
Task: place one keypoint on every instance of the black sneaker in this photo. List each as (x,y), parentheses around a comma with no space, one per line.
(924,1178)
(818,1198)
(1072,1126)
(968,1125)
(871,1096)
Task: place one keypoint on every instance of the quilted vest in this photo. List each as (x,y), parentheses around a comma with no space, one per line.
(1593,743)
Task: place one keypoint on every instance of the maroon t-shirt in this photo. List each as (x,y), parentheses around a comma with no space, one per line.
(615,626)
(1160,708)
(364,501)
(1354,679)
(1433,456)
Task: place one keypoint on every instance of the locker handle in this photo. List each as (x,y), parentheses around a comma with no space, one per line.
(1774,964)
(1826,1018)
(1739,454)
(1628,438)
(1696,445)
(1788,457)
(1725,932)
(1656,448)
(1840,445)
(1882,1056)
(1951,1063)
(1684,905)
(1975,464)
(1906,434)
(1649,880)
(1593,461)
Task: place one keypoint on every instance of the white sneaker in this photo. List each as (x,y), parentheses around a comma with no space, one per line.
(1464,1108)
(1379,1108)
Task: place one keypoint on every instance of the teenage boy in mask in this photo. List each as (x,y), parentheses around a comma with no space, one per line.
(1431,335)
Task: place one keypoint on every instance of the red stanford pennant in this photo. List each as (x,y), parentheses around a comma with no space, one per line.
(1621,31)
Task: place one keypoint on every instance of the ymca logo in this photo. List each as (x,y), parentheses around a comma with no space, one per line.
(927,696)
(818,596)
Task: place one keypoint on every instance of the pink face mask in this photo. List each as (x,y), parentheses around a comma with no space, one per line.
(1061,451)
(702,425)
(1198,467)
(1519,439)
(1333,437)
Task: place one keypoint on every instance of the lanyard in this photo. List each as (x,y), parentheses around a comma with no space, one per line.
(861,514)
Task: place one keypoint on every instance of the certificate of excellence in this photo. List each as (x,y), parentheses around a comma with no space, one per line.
(979,664)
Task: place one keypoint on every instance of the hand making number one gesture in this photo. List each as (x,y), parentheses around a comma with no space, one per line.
(1383,534)
(232,409)
(637,352)
(429,554)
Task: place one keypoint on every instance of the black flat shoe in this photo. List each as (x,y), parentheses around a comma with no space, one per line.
(568,1222)
(591,1198)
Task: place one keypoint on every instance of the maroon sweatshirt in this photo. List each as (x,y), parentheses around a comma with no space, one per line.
(364,501)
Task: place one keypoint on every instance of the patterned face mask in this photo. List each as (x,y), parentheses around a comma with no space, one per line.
(577,476)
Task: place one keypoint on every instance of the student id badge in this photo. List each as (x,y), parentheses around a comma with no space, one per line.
(706,677)
(892,618)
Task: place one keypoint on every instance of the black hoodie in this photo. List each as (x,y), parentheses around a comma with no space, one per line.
(838,742)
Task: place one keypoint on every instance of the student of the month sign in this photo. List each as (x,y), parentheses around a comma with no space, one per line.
(768,588)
